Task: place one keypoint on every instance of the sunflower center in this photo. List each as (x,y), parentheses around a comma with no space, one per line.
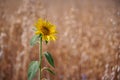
(45,30)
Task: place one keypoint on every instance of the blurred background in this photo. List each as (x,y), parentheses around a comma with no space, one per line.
(87,45)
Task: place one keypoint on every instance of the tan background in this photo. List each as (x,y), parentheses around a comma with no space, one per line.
(88,43)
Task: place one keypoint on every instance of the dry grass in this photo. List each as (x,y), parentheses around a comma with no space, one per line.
(88,45)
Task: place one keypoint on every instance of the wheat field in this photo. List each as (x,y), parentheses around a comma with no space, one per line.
(87,45)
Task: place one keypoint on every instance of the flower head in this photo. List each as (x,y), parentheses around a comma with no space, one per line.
(45,28)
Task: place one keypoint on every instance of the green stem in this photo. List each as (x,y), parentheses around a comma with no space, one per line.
(40,59)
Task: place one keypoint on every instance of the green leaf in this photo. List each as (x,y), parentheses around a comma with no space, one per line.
(34,39)
(33,68)
(49,70)
(49,58)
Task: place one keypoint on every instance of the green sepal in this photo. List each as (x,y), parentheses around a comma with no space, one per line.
(49,58)
(46,41)
(34,29)
(32,70)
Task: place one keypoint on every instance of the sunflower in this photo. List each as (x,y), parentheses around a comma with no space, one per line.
(45,28)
